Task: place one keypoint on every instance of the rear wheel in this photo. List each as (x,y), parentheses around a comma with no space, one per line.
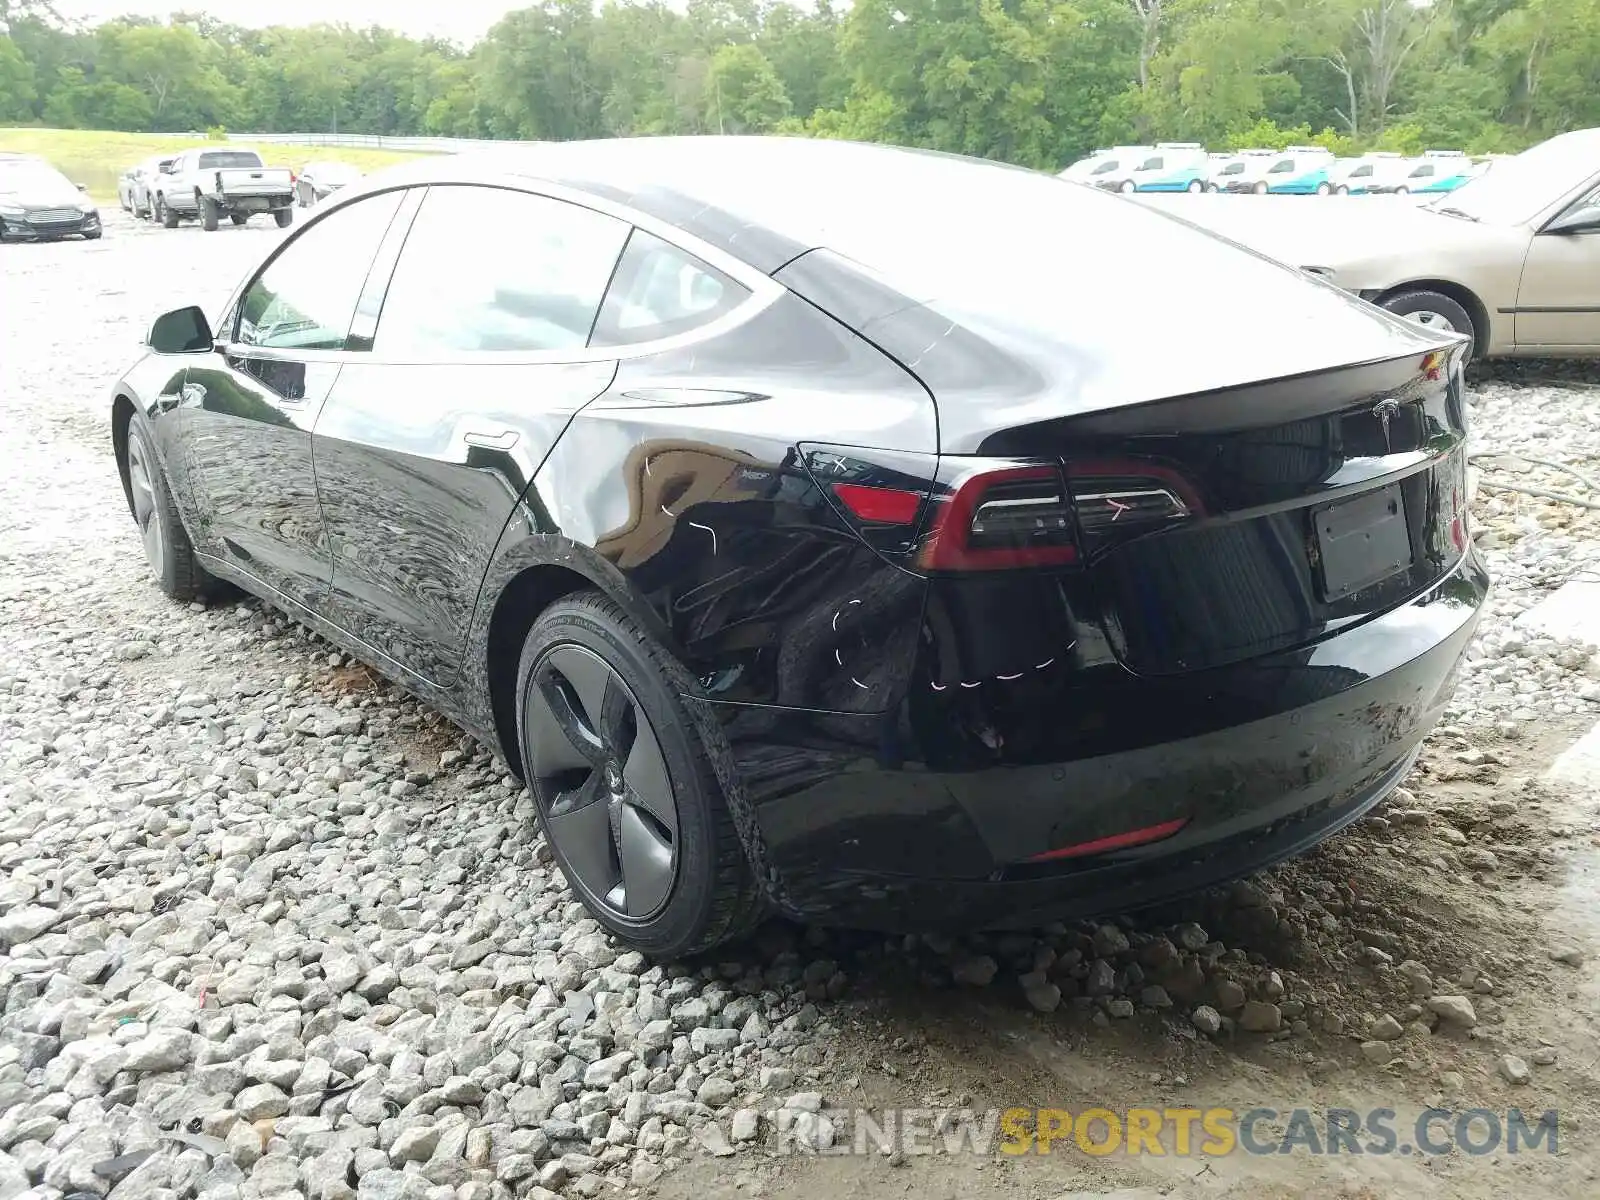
(166,543)
(1402,190)
(284,217)
(1195,186)
(1324,189)
(168,218)
(1432,310)
(1343,189)
(622,782)
(209,215)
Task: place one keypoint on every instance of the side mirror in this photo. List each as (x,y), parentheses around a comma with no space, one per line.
(181,331)
(83,187)
(1584,219)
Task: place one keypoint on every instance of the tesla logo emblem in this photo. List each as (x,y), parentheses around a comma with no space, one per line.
(1386,411)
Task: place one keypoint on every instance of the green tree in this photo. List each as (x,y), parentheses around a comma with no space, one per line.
(743,94)
(17,93)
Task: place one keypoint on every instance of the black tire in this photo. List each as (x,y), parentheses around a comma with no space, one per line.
(712,896)
(1402,190)
(172,557)
(168,218)
(1421,300)
(1260,187)
(1195,186)
(1324,189)
(93,235)
(1127,186)
(284,217)
(238,218)
(210,216)
(1343,189)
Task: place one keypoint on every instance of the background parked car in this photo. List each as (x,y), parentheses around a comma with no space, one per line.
(39,204)
(1108,168)
(139,180)
(316,181)
(207,185)
(1299,170)
(1510,259)
(1354,176)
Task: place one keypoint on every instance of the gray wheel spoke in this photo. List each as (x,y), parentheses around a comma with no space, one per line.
(570,680)
(146,512)
(583,832)
(649,785)
(554,746)
(646,862)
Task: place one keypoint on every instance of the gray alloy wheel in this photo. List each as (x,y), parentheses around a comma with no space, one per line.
(619,764)
(605,795)
(1432,310)
(147,513)
(1127,186)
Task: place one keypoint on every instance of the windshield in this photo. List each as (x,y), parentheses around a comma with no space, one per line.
(23,176)
(1521,187)
(230,158)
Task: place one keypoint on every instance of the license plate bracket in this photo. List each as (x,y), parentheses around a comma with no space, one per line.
(1362,541)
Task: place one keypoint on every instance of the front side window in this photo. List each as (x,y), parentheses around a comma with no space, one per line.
(1233,168)
(305,298)
(1422,172)
(487,269)
(1362,171)
(1105,168)
(660,291)
(1282,168)
(1151,164)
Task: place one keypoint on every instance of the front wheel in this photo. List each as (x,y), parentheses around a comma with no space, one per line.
(1324,189)
(1402,190)
(284,217)
(622,782)
(1343,190)
(166,543)
(1260,189)
(1432,310)
(1127,186)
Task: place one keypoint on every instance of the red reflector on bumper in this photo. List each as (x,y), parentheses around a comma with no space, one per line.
(1117,841)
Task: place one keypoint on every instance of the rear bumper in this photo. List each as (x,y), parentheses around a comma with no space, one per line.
(855,829)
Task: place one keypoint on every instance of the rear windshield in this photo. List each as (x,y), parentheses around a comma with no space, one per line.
(230,158)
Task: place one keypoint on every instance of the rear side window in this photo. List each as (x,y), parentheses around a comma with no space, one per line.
(229,158)
(660,291)
(486,269)
(307,295)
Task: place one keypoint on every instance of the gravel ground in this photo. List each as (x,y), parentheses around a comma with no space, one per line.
(272,928)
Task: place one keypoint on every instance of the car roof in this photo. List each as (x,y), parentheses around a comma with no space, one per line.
(761,199)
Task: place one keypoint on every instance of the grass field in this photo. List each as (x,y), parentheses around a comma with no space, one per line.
(95,159)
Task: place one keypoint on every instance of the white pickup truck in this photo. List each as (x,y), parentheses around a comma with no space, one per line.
(207,185)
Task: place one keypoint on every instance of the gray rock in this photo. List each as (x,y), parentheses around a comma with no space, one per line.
(1376,1052)
(161,1050)
(1514,1070)
(1385,1029)
(27,922)
(1207,1020)
(1455,1010)
(1258,1016)
(262,1100)
(416,1144)
(976,971)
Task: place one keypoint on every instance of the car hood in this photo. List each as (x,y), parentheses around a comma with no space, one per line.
(43,196)
(1331,231)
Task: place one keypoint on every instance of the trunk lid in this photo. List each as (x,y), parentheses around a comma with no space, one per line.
(1221,527)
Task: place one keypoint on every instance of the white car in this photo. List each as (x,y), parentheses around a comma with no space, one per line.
(207,185)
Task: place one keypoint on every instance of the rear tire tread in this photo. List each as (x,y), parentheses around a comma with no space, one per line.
(185,578)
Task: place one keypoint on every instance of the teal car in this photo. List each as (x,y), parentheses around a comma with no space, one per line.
(1167,167)
(1298,171)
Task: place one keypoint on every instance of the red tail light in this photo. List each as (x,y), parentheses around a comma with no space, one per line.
(1016,517)
(879,505)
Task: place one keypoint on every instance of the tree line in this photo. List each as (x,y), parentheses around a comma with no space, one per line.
(1035,82)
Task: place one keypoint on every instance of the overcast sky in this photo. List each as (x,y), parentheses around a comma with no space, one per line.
(461,20)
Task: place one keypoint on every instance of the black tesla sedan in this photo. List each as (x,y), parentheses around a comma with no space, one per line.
(880,537)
